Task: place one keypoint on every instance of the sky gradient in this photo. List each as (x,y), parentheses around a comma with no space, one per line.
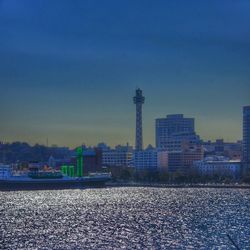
(69,69)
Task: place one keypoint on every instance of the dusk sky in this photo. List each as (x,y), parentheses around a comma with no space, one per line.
(69,69)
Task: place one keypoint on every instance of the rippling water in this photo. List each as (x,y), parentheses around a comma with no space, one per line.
(125,218)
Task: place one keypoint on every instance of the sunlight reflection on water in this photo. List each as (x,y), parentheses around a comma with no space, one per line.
(125,218)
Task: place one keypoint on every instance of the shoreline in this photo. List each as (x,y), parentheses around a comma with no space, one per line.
(162,185)
(133,184)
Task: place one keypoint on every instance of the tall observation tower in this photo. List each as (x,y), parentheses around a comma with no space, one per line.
(138,101)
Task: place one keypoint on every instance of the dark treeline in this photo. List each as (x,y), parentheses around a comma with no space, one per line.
(131,174)
(23,152)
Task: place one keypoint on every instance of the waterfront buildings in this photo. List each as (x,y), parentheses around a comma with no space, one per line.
(138,101)
(150,159)
(218,165)
(163,160)
(92,161)
(176,134)
(120,156)
(232,150)
(246,138)
(52,162)
(182,160)
(176,141)
(170,126)
(5,171)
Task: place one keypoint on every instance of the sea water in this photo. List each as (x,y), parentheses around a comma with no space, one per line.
(125,218)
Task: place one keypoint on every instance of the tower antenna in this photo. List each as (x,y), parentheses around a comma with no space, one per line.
(138,101)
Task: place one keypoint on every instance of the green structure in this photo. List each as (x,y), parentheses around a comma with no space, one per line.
(68,170)
(64,169)
(79,164)
(71,171)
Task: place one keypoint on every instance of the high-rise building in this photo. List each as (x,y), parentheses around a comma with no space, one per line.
(246,138)
(170,126)
(138,101)
(176,135)
(175,141)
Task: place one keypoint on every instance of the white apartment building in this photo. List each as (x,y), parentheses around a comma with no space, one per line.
(117,157)
(218,165)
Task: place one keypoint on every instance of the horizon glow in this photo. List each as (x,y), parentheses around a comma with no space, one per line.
(69,70)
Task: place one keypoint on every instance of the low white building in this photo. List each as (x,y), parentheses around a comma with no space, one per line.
(150,159)
(218,165)
(120,156)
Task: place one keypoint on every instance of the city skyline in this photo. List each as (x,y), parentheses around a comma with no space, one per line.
(47,143)
(70,77)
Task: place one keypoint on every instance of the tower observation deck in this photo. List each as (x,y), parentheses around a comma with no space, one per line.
(138,101)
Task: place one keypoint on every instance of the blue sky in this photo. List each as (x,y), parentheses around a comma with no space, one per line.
(69,69)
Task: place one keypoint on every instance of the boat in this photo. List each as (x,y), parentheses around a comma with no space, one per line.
(49,180)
